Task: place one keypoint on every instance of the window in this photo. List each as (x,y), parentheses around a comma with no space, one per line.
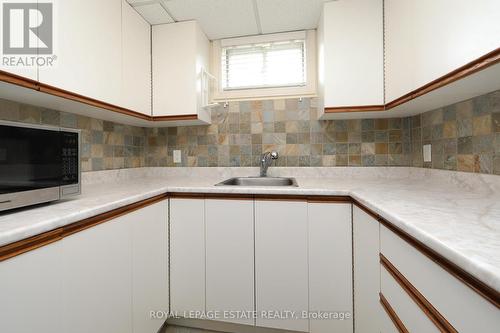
(264,65)
(279,65)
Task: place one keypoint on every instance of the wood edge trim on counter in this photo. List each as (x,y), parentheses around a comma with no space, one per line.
(32,243)
(481,288)
(262,197)
(392,314)
(358,108)
(28,244)
(429,310)
(483,62)
(25,245)
(468,279)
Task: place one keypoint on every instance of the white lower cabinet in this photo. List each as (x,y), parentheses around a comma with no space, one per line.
(104,279)
(30,291)
(97,279)
(230,259)
(281,264)
(149,266)
(187,255)
(366,270)
(330,267)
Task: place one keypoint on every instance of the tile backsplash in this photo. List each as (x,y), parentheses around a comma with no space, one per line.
(464,136)
(242,131)
(105,145)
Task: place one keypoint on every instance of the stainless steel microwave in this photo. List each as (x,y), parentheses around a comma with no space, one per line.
(37,164)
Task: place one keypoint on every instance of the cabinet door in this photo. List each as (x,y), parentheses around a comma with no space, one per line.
(149,266)
(174,69)
(230,257)
(349,76)
(87,36)
(136,46)
(187,255)
(330,265)
(366,272)
(281,265)
(97,279)
(30,291)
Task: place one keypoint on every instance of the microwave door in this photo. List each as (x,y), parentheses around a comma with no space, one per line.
(30,159)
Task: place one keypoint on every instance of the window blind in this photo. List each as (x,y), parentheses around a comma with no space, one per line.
(264,65)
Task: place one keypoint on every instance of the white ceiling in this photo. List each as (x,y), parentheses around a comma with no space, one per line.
(233,18)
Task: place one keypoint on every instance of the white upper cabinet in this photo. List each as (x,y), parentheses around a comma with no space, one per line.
(180,56)
(136,66)
(427,39)
(350,53)
(88,46)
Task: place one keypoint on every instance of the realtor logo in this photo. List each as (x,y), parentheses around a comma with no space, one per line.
(27,28)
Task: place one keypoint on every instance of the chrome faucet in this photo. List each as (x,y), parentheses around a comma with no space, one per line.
(266,160)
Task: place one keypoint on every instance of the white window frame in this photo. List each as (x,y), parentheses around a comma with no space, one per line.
(307,90)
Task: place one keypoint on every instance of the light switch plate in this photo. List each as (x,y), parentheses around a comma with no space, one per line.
(427,153)
(177,156)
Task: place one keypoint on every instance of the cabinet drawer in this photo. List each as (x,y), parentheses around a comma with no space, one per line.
(458,304)
(410,314)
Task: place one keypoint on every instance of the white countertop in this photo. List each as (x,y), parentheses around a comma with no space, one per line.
(456,214)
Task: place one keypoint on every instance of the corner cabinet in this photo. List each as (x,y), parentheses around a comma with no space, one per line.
(351,56)
(180,59)
(427,39)
(107,278)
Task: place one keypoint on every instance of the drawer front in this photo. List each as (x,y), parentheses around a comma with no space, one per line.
(387,324)
(410,314)
(457,303)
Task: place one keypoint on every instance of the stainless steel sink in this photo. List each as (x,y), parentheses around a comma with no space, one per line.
(259,181)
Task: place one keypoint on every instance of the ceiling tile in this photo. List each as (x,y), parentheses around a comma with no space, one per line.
(154,13)
(289,15)
(218,18)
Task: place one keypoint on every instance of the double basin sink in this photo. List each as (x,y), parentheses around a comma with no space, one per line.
(259,181)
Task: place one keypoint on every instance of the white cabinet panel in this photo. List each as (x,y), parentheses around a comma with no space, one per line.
(330,265)
(97,279)
(350,50)
(180,54)
(187,255)
(136,67)
(366,271)
(386,323)
(427,39)
(149,265)
(445,292)
(406,309)
(88,46)
(30,292)
(230,257)
(281,268)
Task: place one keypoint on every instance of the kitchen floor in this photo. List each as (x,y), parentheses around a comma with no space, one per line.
(179,329)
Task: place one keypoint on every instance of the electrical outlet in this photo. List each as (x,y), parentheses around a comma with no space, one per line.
(177,156)
(427,153)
